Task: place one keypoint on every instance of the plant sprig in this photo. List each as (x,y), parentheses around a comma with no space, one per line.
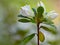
(38,18)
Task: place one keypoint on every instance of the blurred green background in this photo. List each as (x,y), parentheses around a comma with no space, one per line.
(11,31)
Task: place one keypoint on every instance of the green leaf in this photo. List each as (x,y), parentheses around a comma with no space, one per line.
(34,10)
(23,16)
(30,19)
(24,20)
(40,11)
(41,36)
(49,28)
(47,21)
(22,33)
(27,39)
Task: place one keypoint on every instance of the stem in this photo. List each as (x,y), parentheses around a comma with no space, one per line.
(38,33)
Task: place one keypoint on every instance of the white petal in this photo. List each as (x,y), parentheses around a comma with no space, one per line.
(26,11)
(27,7)
(41,4)
(52,15)
(38,4)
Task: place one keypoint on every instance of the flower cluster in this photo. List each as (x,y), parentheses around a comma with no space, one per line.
(27,11)
(40,17)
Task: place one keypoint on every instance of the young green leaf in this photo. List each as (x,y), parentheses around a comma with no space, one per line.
(24,20)
(33,21)
(27,39)
(34,10)
(30,19)
(40,11)
(23,16)
(50,28)
(47,21)
(41,36)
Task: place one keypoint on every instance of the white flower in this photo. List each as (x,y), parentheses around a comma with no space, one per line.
(41,4)
(26,11)
(51,15)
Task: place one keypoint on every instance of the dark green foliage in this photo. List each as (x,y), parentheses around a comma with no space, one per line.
(47,21)
(49,28)
(27,39)
(24,20)
(23,16)
(34,10)
(40,11)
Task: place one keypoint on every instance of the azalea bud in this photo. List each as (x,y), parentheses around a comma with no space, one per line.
(42,5)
